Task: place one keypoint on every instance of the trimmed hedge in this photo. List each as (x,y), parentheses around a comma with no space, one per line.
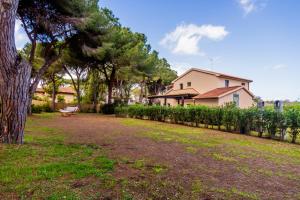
(40,108)
(268,123)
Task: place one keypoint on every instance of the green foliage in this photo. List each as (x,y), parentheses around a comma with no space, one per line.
(293,122)
(229,118)
(36,108)
(108,109)
(61,99)
(41,108)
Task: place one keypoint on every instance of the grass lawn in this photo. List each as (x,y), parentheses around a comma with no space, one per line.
(91,156)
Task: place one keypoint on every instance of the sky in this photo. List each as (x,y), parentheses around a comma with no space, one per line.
(255,39)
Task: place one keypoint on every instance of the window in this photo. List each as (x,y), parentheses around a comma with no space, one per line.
(189,84)
(236,99)
(226,83)
(243,84)
(181,86)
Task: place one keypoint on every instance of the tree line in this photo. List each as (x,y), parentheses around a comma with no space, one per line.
(75,38)
(267,123)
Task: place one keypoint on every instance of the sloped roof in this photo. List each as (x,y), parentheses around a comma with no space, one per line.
(61,90)
(191,91)
(40,90)
(213,73)
(66,90)
(183,92)
(220,92)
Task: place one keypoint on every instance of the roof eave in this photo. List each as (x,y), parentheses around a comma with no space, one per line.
(235,78)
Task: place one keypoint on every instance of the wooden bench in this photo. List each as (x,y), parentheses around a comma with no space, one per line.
(68,111)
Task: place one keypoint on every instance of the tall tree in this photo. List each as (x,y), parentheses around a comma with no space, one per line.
(52,23)
(54,79)
(14,78)
(161,77)
(76,66)
(115,50)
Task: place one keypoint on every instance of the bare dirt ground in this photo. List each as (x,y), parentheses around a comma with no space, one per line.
(210,165)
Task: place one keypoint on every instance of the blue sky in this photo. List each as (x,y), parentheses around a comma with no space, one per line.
(256,39)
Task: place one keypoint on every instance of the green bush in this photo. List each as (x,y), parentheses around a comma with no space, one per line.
(36,108)
(108,109)
(293,122)
(61,99)
(40,108)
(229,118)
(46,108)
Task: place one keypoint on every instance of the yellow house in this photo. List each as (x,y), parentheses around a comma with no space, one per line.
(68,93)
(202,87)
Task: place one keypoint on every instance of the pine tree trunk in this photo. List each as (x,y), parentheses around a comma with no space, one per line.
(14,104)
(29,107)
(109,101)
(14,78)
(53,94)
(78,100)
(110,85)
(95,89)
(32,89)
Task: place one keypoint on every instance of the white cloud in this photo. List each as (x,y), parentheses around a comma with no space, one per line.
(180,67)
(279,66)
(20,36)
(276,67)
(186,37)
(247,5)
(251,5)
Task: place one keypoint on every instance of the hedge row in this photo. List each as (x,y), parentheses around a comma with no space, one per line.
(266,123)
(40,108)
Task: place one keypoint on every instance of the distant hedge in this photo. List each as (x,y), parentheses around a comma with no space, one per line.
(264,123)
(40,108)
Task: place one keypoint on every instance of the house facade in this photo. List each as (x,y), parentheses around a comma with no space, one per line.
(68,94)
(202,87)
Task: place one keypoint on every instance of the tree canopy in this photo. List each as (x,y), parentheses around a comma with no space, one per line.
(79,38)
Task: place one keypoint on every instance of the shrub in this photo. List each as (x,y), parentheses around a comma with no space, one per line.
(61,99)
(46,108)
(230,117)
(293,122)
(108,109)
(270,117)
(40,108)
(36,108)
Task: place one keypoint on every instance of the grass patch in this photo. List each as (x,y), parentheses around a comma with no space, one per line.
(197,187)
(139,164)
(232,192)
(191,149)
(45,158)
(221,157)
(173,133)
(158,169)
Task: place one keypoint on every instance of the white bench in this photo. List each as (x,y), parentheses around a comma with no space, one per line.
(68,110)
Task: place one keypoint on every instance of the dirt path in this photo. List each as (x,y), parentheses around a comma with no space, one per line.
(166,170)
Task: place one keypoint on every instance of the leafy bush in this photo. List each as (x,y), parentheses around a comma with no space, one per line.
(46,108)
(108,109)
(230,118)
(36,108)
(293,122)
(61,99)
(40,108)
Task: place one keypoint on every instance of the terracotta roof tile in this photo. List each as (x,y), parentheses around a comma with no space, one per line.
(216,93)
(39,90)
(183,92)
(64,90)
(186,91)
